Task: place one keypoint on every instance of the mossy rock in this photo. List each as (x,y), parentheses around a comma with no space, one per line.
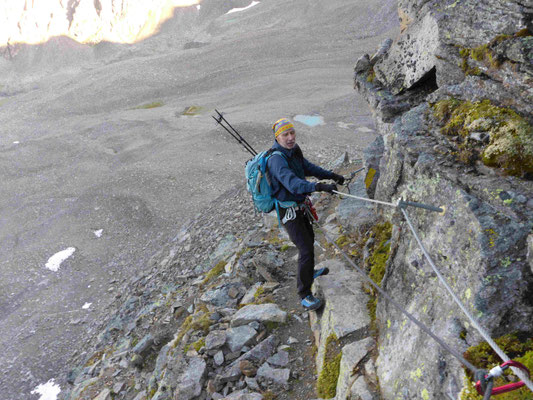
(217,270)
(511,136)
(380,253)
(517,347)
(327,381)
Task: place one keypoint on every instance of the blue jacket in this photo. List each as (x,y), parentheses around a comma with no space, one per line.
(288,174)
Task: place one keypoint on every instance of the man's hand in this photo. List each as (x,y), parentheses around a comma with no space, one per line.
(325,187)
(339,179)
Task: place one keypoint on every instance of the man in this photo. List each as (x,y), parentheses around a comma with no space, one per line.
(288,183)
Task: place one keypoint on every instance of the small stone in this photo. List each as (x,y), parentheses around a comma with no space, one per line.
(233,292)
(278,376)
(219,358)
(118,387)
(292,340)
(141,395)
(280,359)
(137,360)
(254,324)
(215,339)
(104,395)
(247,368)
(190,309)
(252,383)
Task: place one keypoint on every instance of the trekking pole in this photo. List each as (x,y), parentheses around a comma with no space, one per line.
(250,150)
(235,134)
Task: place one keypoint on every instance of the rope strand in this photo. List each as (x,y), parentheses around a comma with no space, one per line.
(483,333)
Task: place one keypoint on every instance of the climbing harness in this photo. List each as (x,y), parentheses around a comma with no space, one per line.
(233,132)
(520,370)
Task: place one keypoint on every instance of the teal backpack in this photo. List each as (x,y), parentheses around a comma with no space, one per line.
(259,185)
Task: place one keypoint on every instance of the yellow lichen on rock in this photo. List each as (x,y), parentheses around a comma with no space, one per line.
(510,145)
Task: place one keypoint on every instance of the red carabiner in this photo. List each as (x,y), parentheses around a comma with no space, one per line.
(509,387)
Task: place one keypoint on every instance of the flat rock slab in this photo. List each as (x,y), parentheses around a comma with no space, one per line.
(345,310)
(352,354)
(191,380)
(215,339)
(261,312)
(240,336)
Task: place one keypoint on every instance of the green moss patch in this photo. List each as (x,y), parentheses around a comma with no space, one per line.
(517,347)
(327,381)
(380,252)
(214,273)
(510,145)
(376,265)
(147,106)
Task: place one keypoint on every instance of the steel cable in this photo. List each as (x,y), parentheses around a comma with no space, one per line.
(483,333)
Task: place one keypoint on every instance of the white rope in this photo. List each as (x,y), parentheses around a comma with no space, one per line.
(485,335)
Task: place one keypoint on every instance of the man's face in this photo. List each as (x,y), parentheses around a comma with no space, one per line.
(287,139)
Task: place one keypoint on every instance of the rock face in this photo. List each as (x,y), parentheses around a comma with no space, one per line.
(86,21)
(462,52)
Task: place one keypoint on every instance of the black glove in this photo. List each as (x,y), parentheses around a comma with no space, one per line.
(339,179)
(325,187)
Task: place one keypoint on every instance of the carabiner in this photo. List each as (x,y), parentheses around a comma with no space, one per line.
(497,371)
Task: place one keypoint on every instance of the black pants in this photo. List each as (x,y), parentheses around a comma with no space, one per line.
(301,233)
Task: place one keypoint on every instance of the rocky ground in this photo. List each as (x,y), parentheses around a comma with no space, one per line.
(217,316)
(111,148)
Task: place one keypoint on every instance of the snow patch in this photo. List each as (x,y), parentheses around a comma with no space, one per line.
(198,6)
(55,261)
(310,120)
(345,125)
(98,233)
(16,142)
(86,305)
(48,390)
(253,3)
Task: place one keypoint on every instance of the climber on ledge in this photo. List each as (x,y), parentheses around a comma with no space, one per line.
(288,172)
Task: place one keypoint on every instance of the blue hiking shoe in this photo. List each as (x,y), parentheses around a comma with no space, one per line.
(310,302)
(320,272)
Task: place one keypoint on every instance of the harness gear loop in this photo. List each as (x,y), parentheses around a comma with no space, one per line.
(483,379)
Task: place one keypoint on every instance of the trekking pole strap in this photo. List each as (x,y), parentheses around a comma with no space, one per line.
(452,351)
(474,322)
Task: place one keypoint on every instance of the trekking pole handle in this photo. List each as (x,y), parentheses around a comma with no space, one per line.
(403,204)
